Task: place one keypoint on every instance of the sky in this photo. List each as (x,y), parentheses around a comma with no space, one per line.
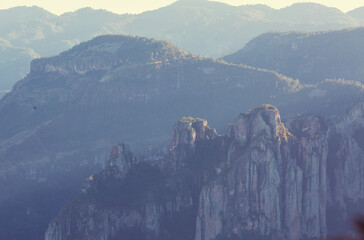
(137,6)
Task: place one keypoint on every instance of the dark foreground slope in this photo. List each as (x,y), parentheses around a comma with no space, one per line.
(58,122)
(261,180)
(309,57)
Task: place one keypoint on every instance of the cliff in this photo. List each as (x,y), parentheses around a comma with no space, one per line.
(274,185)
(262,180)
(135,200)
(59,122)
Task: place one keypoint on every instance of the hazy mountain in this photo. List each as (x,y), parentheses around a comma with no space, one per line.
(17,15)
(261,180)
(13,63)
(38,31)
(214,29)
(309,14)
(358,14)
(309,57)
(202,27)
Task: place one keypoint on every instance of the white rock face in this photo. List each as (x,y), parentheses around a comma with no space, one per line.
(269,182)
(275,185)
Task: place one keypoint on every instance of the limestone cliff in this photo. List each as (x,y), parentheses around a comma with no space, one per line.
(274,185)
(262,180)
(134,200)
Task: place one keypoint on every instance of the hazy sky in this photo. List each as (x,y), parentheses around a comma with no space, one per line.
(136,6)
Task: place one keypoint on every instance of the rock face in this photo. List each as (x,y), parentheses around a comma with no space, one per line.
(263,180)
(346,168)
(145,202)
(121,160)
(186,133)
(274,185)
(349,156)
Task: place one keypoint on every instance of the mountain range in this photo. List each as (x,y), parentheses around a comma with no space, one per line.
(201,27)
(260,179)
(59,122)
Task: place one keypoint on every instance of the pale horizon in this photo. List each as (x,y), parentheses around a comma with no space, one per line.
(138,6)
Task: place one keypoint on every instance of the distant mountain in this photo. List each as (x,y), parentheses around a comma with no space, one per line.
(309,14)
(13,63)
(46,34)
(213,29)
(202,27)
(358,14)
(309,57)
(11,16)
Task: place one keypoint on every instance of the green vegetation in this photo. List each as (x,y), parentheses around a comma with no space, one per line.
(341,81)
(191,119)
(261,107)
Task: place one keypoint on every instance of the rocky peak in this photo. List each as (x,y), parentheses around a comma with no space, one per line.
(186,133)
(268,172)
(121,160)
(188,130)
(264,120)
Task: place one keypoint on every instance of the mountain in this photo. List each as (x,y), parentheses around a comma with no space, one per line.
(207,28)
(309,57)
(214,29)
(357,14)
(45,34)
(308,13)
(59,121)
(16,15)
(261,180)
(15,62)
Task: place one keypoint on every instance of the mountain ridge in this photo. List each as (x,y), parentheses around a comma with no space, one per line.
(309,57)
(59,122)
(203,32)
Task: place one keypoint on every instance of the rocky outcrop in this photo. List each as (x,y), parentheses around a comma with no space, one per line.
(275,185)
(263,180)
(142,201)
(121,160)
(186,134)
